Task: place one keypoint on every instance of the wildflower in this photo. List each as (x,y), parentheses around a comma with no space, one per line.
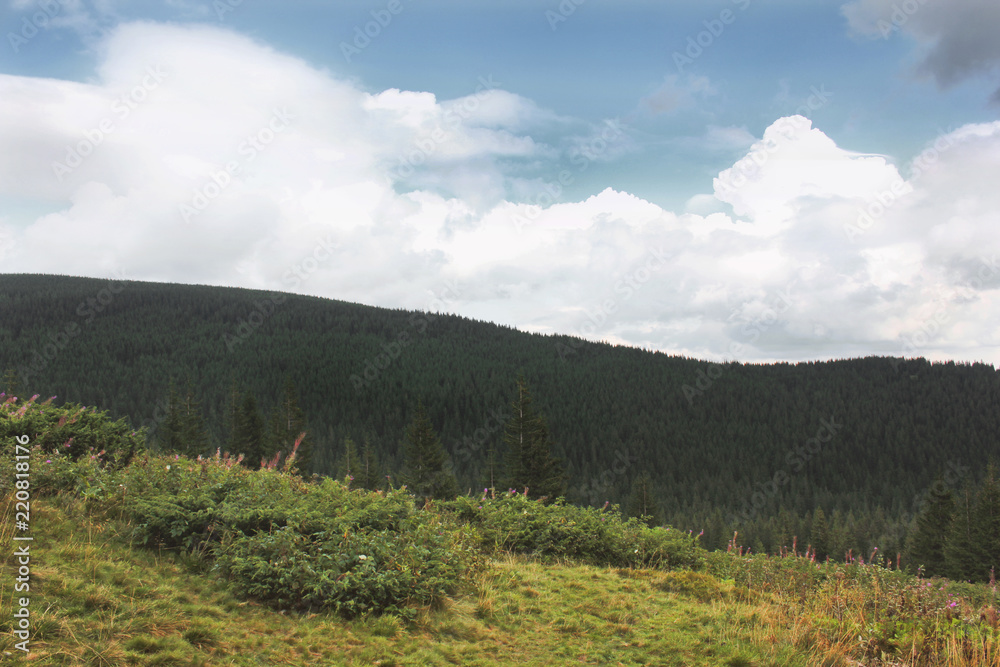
(953,604)
(48,460)
(362,557)
(636,551)
(168,467)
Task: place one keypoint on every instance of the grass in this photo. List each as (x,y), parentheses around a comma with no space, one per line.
(97,601)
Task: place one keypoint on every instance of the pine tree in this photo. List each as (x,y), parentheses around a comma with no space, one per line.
(249,432)
(959,549)
(986,528)
(491,471)
(926,544)
(369,471)
(169,432)
(194,435)
(819,537)
(288,422)
(11,383)
(641,503)
(425,466)
(231,417)
(530,464)
(349,465)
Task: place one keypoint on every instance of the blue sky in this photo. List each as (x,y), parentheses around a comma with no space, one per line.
(602,134)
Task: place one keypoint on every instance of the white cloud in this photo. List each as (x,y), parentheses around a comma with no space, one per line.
(398,198)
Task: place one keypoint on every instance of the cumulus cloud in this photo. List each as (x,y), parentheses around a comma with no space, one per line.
(199,155)
(957,39)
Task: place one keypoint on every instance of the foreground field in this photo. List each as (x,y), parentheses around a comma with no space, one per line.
(98,601)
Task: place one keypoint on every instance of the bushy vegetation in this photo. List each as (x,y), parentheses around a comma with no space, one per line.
(492,573)
(72,430)
(511,522)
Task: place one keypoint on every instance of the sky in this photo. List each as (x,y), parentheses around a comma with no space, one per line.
(749,180)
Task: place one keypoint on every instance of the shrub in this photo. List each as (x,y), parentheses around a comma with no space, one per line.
(70,430)
(512,523)
(293,544)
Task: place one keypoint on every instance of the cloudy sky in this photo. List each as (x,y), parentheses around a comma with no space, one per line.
(731,179)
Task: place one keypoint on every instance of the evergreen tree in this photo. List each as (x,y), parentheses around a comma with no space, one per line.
(530,464)
(194,435)
(820,535)
(959,549)
(248,435)
(369,471)
(491,472)
(170,432)
(348,465)
(986,528)
(641,503)
(425,466)
(926,546)
(231,415)
(11,383)
(288,422)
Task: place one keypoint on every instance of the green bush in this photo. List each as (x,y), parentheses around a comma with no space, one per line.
(70,431)
(512,523)
(294,544)
(352,573)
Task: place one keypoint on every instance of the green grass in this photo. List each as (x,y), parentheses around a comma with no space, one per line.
(98,601)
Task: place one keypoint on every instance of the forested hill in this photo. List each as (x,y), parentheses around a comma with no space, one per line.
(851,435)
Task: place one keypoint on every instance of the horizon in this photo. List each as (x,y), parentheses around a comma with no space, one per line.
(969,362)
(748,180)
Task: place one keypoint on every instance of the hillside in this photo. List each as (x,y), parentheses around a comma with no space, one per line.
(727,446)
(144,559)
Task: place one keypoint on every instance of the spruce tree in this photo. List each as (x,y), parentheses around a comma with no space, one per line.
(193,434)
(425,465)
(248,435)
(231,416)
(641,503)
(369,471)
(959,549)
(530,464)
(819,537)
(926,546)
(288,422)
(986,528)
(349,464)
(11,382)
(170,431)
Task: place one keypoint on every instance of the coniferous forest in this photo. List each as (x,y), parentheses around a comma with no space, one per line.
(838,457)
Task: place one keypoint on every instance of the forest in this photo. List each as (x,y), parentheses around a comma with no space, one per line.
(838,456)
